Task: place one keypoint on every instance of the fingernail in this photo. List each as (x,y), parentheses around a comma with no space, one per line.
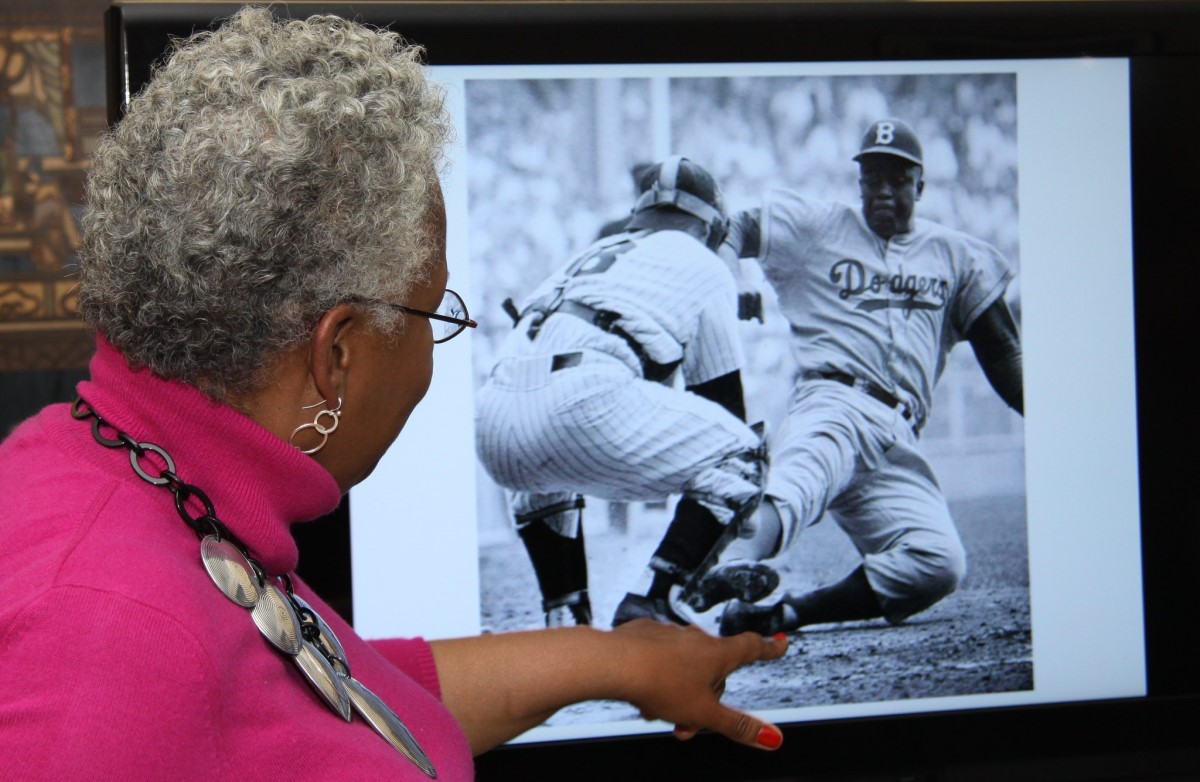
(769,737)
(780,636)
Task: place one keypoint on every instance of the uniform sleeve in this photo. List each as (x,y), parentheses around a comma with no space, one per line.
(98,686)
(983,274)
(745,234)
(788,223)
(414,657)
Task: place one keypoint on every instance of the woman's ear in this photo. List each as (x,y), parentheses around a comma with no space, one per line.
(332,350)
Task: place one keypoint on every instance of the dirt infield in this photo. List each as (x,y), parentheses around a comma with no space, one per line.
(975,641)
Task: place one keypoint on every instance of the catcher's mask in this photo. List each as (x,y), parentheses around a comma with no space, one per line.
(681,184)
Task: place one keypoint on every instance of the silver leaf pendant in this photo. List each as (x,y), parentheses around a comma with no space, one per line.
(230,570)
(385,722)
(277,620)
(324,679)
(327,637)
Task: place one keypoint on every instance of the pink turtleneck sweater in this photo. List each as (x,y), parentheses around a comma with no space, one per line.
(119,658)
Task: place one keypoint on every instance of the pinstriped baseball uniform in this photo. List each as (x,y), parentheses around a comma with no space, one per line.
(887,312)
(569,411)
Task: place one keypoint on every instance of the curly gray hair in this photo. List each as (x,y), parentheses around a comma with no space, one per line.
(268,171)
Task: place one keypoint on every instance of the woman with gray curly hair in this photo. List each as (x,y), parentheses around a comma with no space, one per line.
(264,265)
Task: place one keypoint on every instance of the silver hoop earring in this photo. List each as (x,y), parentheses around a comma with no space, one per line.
(322,428)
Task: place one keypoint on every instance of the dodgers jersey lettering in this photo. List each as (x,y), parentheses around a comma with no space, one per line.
(673,295)
(888,311)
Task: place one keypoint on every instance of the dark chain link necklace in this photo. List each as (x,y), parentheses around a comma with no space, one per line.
(288,622)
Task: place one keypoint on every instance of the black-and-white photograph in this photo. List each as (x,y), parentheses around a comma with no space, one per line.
(749,358)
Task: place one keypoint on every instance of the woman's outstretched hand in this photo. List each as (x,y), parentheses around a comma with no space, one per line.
(500,685)
(677,674)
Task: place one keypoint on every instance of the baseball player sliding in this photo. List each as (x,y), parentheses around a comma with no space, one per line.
(876,298)
(583,401)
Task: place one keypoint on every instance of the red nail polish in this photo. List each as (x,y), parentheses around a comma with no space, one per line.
(780,636)
(769,737)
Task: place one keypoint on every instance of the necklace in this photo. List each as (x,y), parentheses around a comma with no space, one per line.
(288,622)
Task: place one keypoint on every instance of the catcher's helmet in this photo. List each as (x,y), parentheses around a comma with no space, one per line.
(678,183)
(891,137)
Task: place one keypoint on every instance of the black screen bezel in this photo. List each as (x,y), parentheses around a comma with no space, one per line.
(1162,40)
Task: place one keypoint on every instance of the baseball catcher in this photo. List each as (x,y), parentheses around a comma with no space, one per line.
(584,402)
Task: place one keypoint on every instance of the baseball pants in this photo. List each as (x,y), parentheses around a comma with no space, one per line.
(841,451)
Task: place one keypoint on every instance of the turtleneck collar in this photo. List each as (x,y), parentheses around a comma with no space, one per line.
(259,483)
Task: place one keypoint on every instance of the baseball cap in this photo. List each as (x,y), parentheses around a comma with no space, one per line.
(891,137)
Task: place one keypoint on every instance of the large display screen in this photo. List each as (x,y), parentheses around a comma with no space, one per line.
(1031,156)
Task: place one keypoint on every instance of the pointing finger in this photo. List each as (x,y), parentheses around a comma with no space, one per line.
(746,729)
(757,647)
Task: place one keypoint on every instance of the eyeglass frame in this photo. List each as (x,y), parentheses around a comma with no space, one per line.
(462,323)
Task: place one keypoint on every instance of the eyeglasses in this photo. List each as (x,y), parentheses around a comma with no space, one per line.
(448,321)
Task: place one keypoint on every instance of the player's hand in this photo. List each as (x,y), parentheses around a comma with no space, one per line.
(677,674)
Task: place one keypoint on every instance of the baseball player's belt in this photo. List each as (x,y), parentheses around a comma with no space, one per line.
(873,390)
(606,320)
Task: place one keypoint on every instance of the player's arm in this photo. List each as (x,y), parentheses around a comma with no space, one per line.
(744,240)
(997,346)
(500,685)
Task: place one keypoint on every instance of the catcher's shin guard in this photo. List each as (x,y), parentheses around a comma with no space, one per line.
(692,534)
(710,517)
(689,550)
(559,562)
(728,534)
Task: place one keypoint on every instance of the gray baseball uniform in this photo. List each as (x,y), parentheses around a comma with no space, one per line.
(875,316)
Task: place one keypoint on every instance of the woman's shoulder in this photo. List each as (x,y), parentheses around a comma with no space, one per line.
(47,493)
(72,520)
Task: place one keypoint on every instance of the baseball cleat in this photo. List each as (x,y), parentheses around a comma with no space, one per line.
(638,607)
(740,617)
(736,580)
